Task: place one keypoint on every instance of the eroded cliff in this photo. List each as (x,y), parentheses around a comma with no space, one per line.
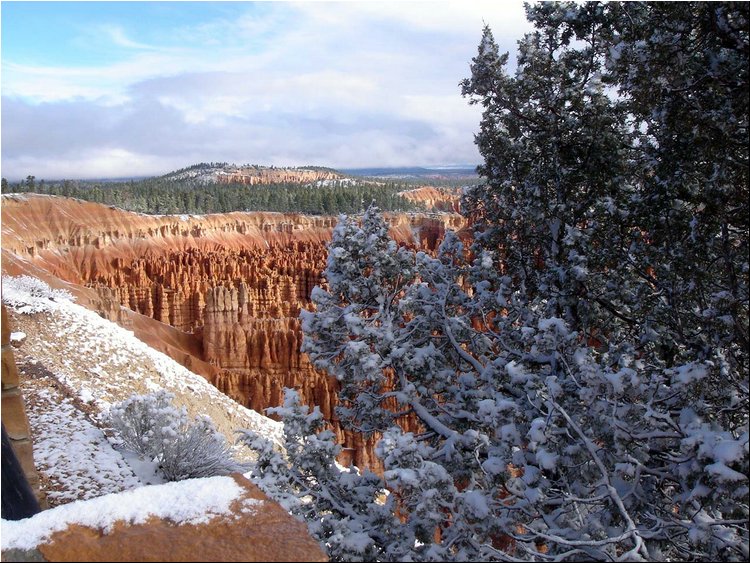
(252,175)
(435,199)
(219,293)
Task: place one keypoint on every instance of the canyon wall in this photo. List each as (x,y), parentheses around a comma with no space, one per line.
(435,199)
(220,293)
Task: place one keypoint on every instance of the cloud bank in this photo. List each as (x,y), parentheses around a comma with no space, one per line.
(333,84)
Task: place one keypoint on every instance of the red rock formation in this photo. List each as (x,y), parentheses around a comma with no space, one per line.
(174,287)
(435,199)
(230,287)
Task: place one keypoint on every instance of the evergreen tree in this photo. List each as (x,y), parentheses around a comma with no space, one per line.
(340,504)
(555,154)
(686,87)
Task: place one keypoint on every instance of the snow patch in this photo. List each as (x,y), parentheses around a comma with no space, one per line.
(194,501)
(17,336)
(72,453)
(546,460)
(553,322)
(691,372)
(729,451)
(723,473)
(477,503)
(28,295)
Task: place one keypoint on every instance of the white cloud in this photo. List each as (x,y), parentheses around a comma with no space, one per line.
(118,37)
(94,163)
(456,17)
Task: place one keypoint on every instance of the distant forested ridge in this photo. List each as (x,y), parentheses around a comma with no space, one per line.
(178,192)
(449,176)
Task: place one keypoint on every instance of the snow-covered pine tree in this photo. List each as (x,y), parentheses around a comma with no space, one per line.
(340,504)
(682,74)
(366,273)
(655,285)
(555,150)
(533,444)
(403,345)
(570,406)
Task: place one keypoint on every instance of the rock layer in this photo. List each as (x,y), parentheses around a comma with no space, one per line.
(253,175)
(232,285)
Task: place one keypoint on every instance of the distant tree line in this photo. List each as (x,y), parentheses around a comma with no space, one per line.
(165,195)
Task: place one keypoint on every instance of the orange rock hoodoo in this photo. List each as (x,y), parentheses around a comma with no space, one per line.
(231,285)
(178,287)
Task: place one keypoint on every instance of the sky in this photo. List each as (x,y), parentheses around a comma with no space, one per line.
(124,89)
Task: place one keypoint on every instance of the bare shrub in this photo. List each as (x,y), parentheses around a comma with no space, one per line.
(152,427)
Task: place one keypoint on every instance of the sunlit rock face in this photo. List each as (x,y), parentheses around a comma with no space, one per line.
(213,519)
(221,293)
(252,175)
(435,199)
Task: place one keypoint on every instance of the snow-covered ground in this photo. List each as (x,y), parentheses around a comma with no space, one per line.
(74,457)
(103,363)
(193,501)
(74,366)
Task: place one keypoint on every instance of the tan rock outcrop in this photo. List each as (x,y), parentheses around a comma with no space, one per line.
(264,532)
